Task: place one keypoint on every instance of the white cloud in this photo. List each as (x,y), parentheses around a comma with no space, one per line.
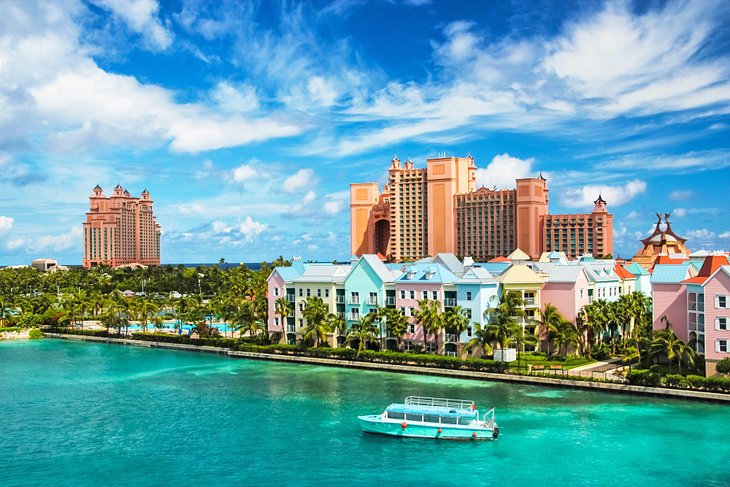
(309,197)
(679,212)
(584,197)
(56,243)
(702,236)
(503,170)
(6,223)
(244,172)
(141,16)
(634,215)
(333,207)
(725,234)
(302,179)
(250,228)
(417,3)
(235,98)
(681,195)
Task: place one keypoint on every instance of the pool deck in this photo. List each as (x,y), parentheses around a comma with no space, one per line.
(413,369)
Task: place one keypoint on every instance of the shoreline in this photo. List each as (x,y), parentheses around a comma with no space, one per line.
(413,369)
(15,335)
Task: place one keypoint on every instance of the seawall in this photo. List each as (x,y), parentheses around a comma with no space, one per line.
(412,369)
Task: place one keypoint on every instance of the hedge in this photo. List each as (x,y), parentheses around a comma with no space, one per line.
(677,381)
(723,366)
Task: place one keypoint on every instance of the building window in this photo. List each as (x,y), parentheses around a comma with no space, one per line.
(468,331)
(467,313)
(403,294)
(721,302)
(434,295)
(326,293)
(468,295)
(581,293)
(411,328)
(309,292)
(301,292)
(301,322)
(424,294)
(430,347)
(276,291)
(721,346)
(412,294)
(721,323)
(319,293)
(276,320)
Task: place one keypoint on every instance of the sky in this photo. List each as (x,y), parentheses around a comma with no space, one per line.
(248,120)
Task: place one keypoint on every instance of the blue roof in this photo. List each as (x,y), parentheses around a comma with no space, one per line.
(426,273)
(670,273)
(494,268)
(289,273)
(636,269)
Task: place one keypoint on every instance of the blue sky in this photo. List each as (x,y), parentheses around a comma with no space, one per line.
(247,121)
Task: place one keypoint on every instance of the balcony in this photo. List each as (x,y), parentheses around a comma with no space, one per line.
(529,301)
(353,316)
(291,329)
(450,337)
(290,298)
(449,302)
(353,300)
(341,315)
(373,300)
(340,299)
(390,301)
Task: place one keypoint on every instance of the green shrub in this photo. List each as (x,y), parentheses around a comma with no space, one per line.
(35,333)
(675,380)
(645,378)
(723,366)
(76,331)
(9,329)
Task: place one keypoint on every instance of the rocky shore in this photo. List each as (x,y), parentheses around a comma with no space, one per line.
(15,335)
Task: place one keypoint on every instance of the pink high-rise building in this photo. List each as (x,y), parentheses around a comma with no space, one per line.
(120,229)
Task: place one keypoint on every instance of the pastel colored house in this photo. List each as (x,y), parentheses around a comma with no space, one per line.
(566,288)
(627,280)
(521,279)
(669,296)
(281,284)
(605,284)
(476,292)
(317,280)
(423,281)
(643,278)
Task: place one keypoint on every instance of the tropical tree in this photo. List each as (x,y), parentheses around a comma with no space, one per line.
(315,313)
(667,345)
(484,338)
(564,335)
(365,332)
(283,307)
(396,324)
(337,324)
(429,316)
(456,321)
(548,321)
(147,309)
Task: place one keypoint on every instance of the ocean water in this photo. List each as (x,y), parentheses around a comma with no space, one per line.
(83,414)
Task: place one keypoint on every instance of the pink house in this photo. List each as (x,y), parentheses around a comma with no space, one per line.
(669,296)
(566,289)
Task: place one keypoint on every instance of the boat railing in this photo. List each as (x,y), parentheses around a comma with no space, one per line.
(439,402)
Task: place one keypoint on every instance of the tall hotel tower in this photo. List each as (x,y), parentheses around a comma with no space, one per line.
(423,212)
(120,230)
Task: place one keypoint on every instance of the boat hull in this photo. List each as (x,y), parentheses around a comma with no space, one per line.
(376,424)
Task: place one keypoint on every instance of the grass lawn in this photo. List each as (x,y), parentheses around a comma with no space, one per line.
(540,359)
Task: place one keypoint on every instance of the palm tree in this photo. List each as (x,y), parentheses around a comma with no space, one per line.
(337,324)
(565,334)
(6,304)
(548,322)
(396,324)
(315,312)
(429,316)
(523,338)
(665,343)
(364,332)
(456,321)
(283,308)
(485,338)
(147,309)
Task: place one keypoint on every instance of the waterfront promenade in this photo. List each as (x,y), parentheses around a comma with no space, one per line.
(615,387)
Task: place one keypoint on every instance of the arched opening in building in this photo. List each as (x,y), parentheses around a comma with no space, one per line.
(391,344)
(291,338)
(450,349)
(382,237)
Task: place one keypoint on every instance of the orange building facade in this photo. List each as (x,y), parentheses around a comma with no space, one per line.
(588,233)
(120,229)
(425,211)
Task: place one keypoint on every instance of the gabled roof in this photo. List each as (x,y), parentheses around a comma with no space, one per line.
(560,272)
(288,273)
(383,273)
(709,266)
(494,268)
(450,261)
(671,273)
(725,269)
(518,254)
(623,273)
(501,258)
(476,275)
(637,270)
(324,273)
(426,273)
(599,273)
(519,274)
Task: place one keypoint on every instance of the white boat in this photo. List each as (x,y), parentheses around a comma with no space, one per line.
(433,417)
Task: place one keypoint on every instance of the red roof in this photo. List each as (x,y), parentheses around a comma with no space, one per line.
(501,258)
(709,266)
(623,273)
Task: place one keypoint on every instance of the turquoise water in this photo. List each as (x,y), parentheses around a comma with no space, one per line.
(86,414)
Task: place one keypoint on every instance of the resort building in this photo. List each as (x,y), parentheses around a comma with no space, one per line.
(663,245)
(120,230)
(438,209)
(575,235)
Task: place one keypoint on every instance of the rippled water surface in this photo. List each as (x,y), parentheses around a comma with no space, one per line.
(82,414)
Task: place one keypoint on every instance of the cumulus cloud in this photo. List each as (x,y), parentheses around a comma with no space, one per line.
(6,223)
(45,243)
(503,170)
(244,172)
(701,236)
(679,212)
(302,179)
(584,196)
(141,16)
(725,234)
(309,197)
